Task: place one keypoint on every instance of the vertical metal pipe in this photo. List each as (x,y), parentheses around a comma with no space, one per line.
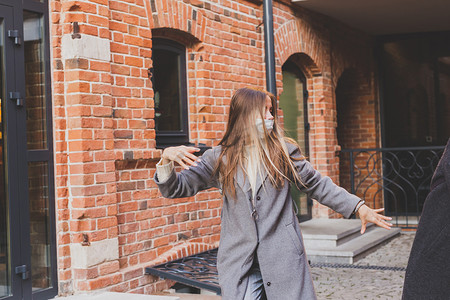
(269,47)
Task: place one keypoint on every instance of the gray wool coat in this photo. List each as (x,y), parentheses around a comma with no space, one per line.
(274,235)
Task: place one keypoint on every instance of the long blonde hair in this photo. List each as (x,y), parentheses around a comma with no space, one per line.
(270,150)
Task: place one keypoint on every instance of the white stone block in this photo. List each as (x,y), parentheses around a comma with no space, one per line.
(97,252)
(88,46)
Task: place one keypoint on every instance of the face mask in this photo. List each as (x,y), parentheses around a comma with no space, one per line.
(267,123)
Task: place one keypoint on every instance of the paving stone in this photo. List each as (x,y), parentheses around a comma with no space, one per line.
(331,283)
(349,283)
(392,253)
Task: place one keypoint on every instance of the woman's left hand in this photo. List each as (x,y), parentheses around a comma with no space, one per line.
(366,214)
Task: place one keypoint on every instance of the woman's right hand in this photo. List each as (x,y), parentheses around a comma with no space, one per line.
(182,155)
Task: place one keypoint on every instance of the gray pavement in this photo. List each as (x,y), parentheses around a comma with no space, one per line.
(348,283)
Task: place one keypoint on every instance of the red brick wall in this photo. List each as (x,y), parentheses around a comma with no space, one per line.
(104,122)
(358,128)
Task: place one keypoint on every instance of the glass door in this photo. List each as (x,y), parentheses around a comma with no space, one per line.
(39,153)
(27,221)
(293,103)
(11,287)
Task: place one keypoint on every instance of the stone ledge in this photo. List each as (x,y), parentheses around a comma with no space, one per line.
(115,296)
(339,241)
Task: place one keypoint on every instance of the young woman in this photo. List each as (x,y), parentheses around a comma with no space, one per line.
(261,253)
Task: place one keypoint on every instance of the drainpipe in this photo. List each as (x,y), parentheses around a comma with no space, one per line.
(269,47)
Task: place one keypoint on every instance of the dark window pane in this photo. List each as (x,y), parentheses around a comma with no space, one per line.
(35,81)
(416,78)
(416,91)
(39,225)
(166,65)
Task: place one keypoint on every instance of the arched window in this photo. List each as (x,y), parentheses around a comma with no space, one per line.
(170,88)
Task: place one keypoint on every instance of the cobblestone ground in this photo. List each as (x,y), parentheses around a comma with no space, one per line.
(347,283)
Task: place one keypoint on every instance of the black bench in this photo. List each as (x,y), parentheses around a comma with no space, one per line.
(198,270)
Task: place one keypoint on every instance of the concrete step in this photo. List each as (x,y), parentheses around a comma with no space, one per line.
(338,241)
(319,233)
(116,296)
(184,296)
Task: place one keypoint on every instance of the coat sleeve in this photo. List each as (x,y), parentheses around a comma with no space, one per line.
(322,188)
(189,182)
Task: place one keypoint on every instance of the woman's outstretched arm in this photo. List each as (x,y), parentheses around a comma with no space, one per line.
(324,190)
(196,176)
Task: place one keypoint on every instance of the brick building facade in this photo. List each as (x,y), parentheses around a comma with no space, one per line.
(111,220)
(91,91)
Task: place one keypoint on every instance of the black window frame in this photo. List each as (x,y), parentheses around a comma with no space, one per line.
(171,138)
(18,156)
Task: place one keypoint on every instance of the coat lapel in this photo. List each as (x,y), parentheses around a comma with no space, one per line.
(243,182)
(260,179)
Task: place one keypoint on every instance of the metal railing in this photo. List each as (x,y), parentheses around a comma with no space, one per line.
(397,179)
